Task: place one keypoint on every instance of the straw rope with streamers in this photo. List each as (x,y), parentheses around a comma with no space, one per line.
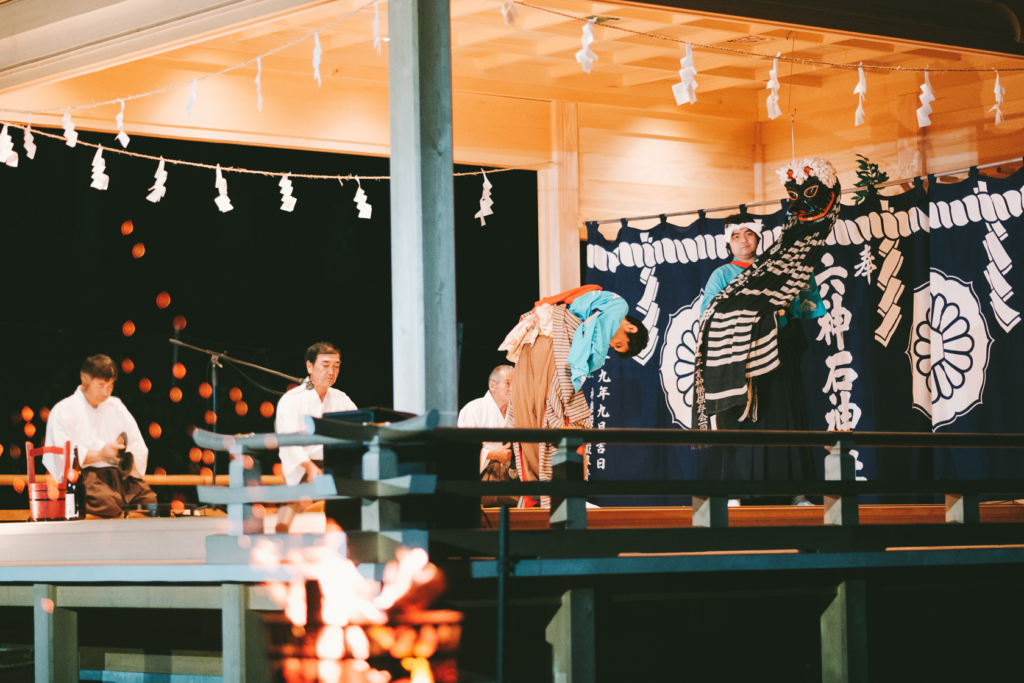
(236,169)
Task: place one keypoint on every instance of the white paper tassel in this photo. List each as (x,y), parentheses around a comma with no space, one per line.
(193,95)
(927,96)
(29,140)
(259,87)
(7,154)
(360,199)
(773,84)
(158,190)
(70,136)
(287,200)
(999,91)
(861,90)
(316,57)
(222,201)
(376,27)
(100,180)
(586,56)
(684,89)
(122,137)
(509,12)
(485,202)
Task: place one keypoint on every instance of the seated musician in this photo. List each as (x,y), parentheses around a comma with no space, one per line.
(315,396)
(111,452)
(489,411)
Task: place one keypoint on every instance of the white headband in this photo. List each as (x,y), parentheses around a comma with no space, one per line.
(754,226)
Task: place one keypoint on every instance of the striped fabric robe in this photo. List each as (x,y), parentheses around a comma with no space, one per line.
(738,337)
(563,405)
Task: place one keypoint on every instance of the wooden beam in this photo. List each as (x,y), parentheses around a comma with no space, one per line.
(56,637)
(48,40)
(558,204)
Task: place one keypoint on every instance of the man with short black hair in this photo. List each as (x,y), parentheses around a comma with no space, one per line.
(111,451)
(314,396)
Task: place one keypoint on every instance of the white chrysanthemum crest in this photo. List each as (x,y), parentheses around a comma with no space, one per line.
(222,201)
(684,89)
(999,91)
(509,12)
(100,180)
(861,91)
(819,168)
(485,202)
(317,52)
(122,137)
(773,84)
(927,96)
(70,136)
(7,154)
(287,200)
(365,210)
(193,95)
(158,190)
(586,56)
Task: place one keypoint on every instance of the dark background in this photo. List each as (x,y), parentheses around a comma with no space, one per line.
(256,282)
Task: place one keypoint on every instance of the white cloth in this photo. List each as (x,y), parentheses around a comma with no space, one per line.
(90,429)
(292,407)
(482,412)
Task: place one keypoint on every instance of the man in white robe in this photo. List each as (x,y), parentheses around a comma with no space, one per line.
(94,422)
(314,396)
(489,411)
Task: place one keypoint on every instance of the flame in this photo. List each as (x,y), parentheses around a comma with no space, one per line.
(27,414)
(139,250)
(127,227)
(19,485)
(358,643)
(127,365)
(404,642)
(399,576)
(175,394)
(241,408)
(235,394)
(330,644)
(145,385)
(195,454)
(208,457)
(210,417)
(426,646)
(179,322)
(44,415)
(419,670)
(163,300)
(155,430)
(295,609)
(266,409)
(30,430)
(178,370)
(329,671)
(205,390)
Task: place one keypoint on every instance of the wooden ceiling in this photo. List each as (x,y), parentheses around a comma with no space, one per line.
(535,58)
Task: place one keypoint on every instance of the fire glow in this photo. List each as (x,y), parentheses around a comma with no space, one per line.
(337,621)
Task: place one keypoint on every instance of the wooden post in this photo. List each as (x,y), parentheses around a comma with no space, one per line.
(56,637)
(558,204)
(571,635)
(244,657)
(422,209)
(844,635)
(840,466)
(963,508)
(710,511)
(567,465)
(241,519)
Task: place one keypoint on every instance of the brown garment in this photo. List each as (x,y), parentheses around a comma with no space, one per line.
(528,399)
(106,491)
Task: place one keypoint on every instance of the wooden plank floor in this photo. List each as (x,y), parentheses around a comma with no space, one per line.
(753,515)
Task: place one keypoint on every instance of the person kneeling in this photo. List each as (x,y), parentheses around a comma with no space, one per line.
(111,451)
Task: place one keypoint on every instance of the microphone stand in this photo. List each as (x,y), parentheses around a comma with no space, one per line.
(215,358)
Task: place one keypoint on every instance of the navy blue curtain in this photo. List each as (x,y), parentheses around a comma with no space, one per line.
(920,331)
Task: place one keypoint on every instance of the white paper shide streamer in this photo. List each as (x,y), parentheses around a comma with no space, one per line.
(927,96)
(70,136)
(485,202)
(509,12)
(29,141)
(773,84)
(586,56)
(259,86)
(100,180)
(287,200)
(317,52)
(158,190)
(999,91)
(684,89)
(222,201)
(376,26)
(861,90)
(360,199)
(7,154)
(193,95)
(122,137)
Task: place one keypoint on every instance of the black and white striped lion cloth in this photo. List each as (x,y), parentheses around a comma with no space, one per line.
(738,337)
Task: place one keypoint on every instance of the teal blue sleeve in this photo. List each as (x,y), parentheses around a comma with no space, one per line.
(808,304)
(590,341)
(718,281)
